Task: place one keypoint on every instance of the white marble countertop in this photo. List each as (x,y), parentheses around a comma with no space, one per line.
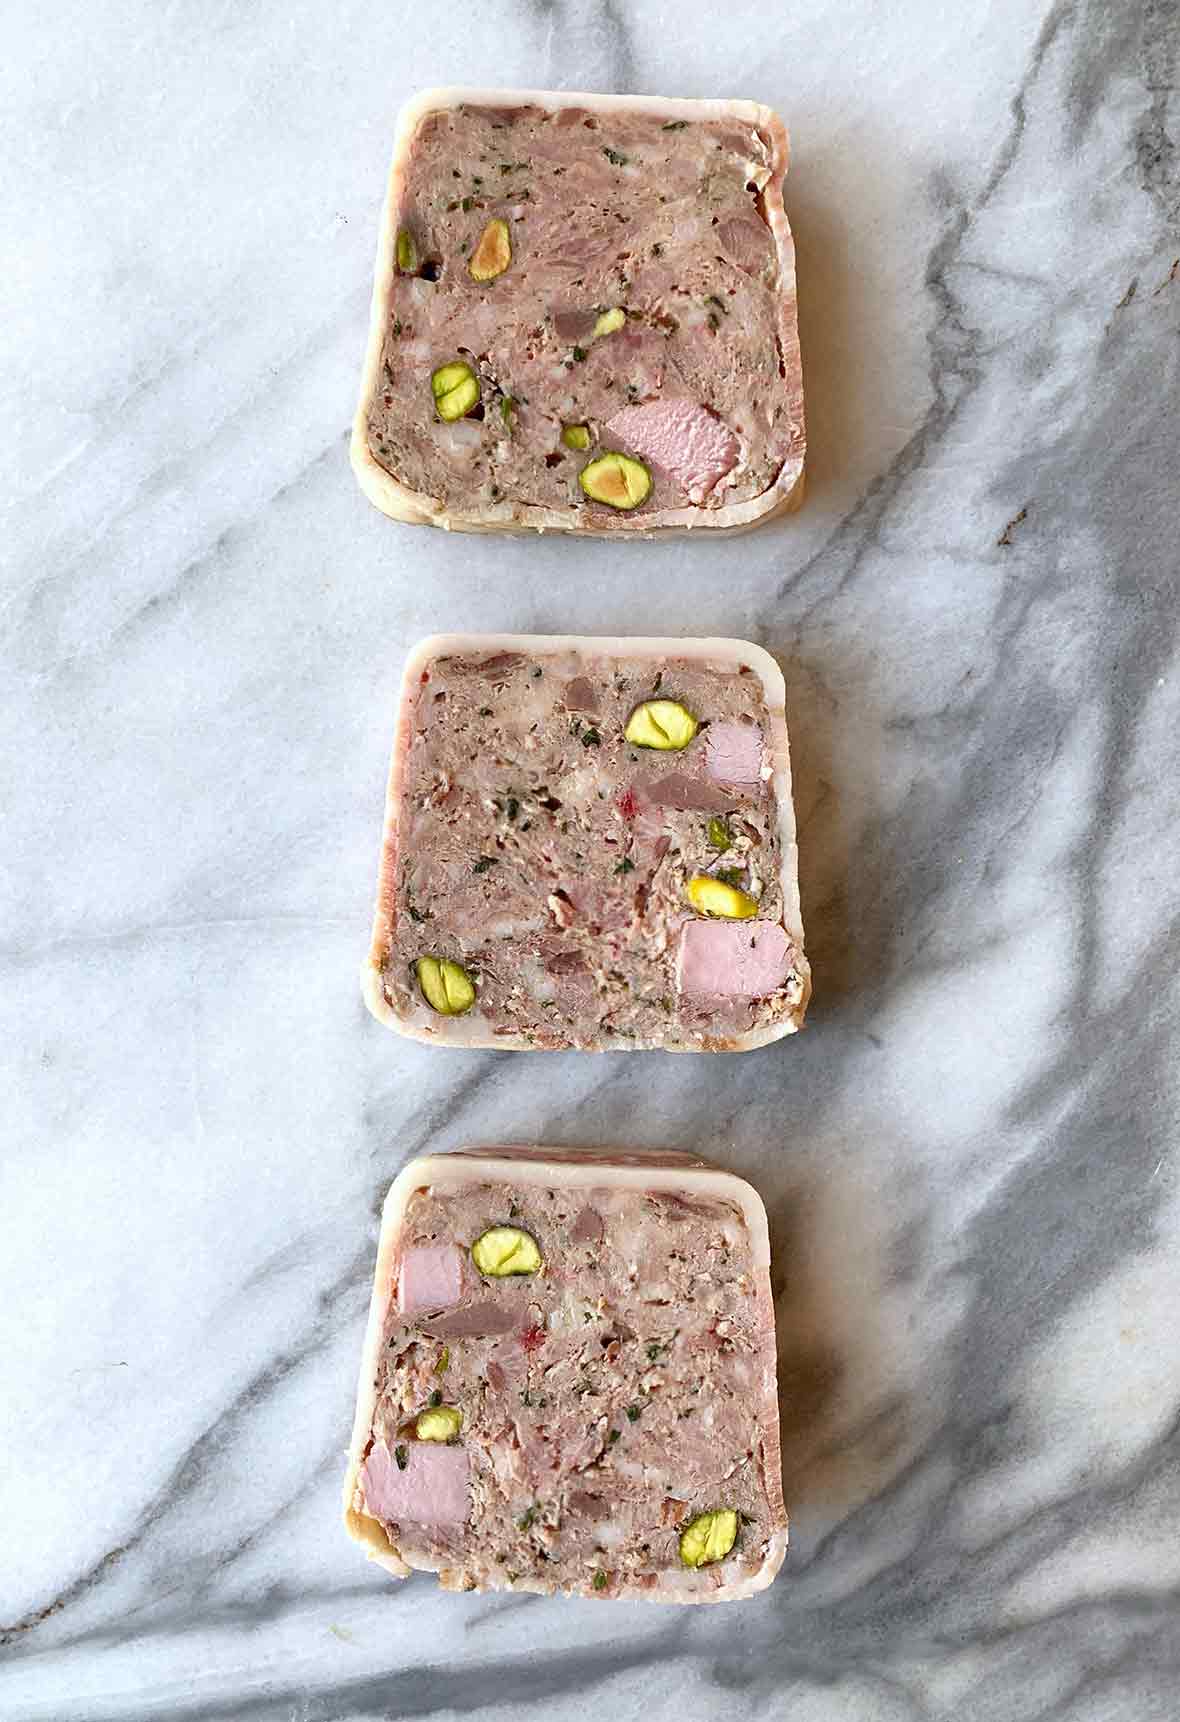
(970,1155)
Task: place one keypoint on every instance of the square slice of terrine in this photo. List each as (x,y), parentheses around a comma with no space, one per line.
(569,1381)
(589,843)
(584,317)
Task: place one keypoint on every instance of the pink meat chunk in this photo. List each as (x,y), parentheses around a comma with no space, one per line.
(733,752)
(748,243)
(477,1318)
(432,1490)
(680,791)
(431,1278)
(732,959)
(580,695)
(683,438)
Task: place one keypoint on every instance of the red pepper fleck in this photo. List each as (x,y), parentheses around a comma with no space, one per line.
(628,804)
(532,1338)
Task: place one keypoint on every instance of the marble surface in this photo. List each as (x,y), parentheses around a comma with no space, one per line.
(969,1157)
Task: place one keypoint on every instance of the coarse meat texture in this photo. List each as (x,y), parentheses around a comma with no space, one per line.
(647,298)
(535,847)
(604,1401)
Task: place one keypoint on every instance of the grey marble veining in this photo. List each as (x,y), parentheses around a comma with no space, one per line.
(970,1155)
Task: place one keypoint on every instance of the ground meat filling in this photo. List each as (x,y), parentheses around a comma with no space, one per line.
(605,1400)
(658,221)
(551,858)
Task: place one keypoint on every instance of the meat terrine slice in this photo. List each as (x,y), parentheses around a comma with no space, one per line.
(583,317)
(589,843)
(568,1381)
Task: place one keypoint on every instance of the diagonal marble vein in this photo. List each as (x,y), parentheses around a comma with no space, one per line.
(968,1158)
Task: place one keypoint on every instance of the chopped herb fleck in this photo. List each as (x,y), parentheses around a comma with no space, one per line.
(415,914)
(512,808)
(397,325)
(485,711)
(714,321)
(579,354)
(440,1367)
(613,156)
(507,408)
(466,203)
(526,1519)
(674,126)
(613,1437)
(537,671)
(591,739)
(484,862)
(435,1398)
(720,836)
(732,876)
(712,299)
(402,1457)
(634,1412)
(599,1581)
(626,865)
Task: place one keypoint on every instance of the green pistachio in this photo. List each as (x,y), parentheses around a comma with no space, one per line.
(455,388)
(493,252)
(617,480)
(709,1537)
(505,1250)
(663,724)
(610,321)
(576,436)
(446,986)
(440,1423)
(407,252)
(710,896)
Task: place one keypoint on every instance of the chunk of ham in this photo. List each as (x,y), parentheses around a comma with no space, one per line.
(733,752)
(684,438)
(431,1490)
(733,959)
(588,1227)
(685,793)
(573,323)
(748,244)
(431,1277)
(478,1319)
(580,695)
